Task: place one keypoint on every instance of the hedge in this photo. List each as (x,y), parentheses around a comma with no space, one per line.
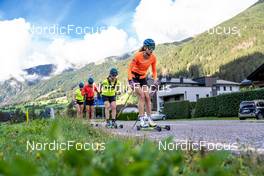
(192,105)
(192,108)
(177,109)
(206,107)
(225,105)
(128,116)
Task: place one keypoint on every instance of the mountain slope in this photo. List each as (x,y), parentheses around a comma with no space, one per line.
(210,54)
(36,74)
(10,88)
(42,70)
(229,56)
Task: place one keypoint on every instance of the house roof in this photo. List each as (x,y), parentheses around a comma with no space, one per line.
(191,81)
(257,75)
(224,82)
(178,81)
(246,82)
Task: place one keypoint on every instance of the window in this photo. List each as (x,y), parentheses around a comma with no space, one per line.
(218,88)
(197,96)
(249,104)
(260,104)
(224,88)
(231,88)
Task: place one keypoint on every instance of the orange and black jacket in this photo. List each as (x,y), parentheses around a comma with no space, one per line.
(140,66)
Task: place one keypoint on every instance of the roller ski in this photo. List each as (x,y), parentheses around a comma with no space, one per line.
(146,123)
(112,124)
(157,128)
(153,124)
(95,124)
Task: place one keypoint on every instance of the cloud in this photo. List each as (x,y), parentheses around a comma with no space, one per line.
(14,44)
(20,49)
(31,77)
(168,20)
(93,48)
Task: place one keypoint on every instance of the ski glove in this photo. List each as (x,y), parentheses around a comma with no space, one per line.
(156,83)
(131,84)
(154,88)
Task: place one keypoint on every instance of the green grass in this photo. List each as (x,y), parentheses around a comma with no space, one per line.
(120,157)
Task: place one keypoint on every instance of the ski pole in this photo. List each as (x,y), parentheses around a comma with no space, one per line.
(124,105)
(135,123)
(84,104)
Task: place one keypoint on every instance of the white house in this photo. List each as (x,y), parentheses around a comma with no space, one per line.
(223,86)
(179,89)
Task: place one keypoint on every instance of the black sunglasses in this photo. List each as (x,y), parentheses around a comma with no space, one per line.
(151,48)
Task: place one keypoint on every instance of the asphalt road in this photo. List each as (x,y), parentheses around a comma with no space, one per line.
(240,135)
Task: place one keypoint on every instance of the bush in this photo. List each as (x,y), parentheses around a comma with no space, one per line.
(177,110)
(192,108)
(99,111)
(18,116)
(71,111)
(206,107)
(128,116)
(4,116)
(225,105)
(192,105)
(32,113)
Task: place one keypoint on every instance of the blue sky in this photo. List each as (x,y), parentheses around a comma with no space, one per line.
(78,12)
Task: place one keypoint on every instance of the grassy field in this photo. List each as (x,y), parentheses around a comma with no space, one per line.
(110,155)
